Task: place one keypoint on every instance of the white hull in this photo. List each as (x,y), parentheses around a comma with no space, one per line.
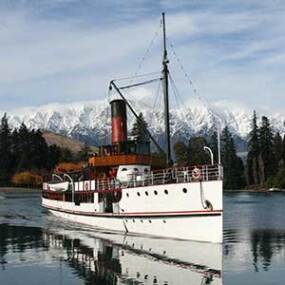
(191,228)
(174,215)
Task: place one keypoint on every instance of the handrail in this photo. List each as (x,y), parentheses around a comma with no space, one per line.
(165,176)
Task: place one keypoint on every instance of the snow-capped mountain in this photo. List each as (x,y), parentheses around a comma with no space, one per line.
(90,121)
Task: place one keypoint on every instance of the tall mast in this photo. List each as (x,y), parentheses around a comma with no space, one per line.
(165,72)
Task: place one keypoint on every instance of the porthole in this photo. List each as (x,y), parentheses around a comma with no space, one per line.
(149,221)
(155,192)
(166,191)
(128,195)
(146,193)
(164,221)
(138,193)
(141,221)
(133,220)
(184,190)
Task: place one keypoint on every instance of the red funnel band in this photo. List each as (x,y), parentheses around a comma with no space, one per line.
(119,130)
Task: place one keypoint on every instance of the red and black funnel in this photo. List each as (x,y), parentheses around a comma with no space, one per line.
(119,121)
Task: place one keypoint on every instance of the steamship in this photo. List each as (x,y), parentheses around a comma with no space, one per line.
(126,187)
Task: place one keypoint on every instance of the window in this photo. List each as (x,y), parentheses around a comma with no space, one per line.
(166,191)
(184,190)
(128,195)
(146,193)
(124,169)
(155,192)
(135,169)
(138,193)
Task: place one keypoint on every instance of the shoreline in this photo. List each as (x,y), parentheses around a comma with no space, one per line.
(19,190)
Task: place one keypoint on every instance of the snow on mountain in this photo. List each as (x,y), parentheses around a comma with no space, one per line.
(90,121)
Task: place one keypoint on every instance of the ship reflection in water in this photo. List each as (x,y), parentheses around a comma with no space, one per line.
(111,259)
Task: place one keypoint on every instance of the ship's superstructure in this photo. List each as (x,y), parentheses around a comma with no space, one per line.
(127,188)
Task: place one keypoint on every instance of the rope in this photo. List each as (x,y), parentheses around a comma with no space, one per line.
(155,101)
(191,83)
(140,83)
(147,51)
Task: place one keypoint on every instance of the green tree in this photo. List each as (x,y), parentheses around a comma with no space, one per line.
(253,157)
(138,131)
(283,150)
(181,153)
(266,149)
(278,149)
(233,165)
(5,151)
(84,153)
(197,155)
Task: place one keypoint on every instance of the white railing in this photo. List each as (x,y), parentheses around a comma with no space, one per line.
(176,175)
(165,176)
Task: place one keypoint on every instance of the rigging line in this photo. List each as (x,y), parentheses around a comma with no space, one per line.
(193,87)
(140,83)
(137,76)
(175,90)
(155,101)
(147,51)
(131,97)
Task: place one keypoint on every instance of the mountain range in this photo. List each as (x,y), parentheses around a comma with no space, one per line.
(90,121)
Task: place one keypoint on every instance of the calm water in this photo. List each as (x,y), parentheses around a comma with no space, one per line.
(36,248)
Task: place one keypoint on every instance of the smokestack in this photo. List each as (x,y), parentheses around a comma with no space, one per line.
(119,121)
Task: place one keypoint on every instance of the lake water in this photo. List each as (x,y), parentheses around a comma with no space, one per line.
(37,248)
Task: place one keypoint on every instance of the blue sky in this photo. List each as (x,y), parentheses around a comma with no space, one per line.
(68,50)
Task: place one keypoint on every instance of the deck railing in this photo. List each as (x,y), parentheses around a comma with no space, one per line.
(165,176)
(175,175)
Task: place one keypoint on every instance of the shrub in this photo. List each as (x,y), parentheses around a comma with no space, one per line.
(27,178)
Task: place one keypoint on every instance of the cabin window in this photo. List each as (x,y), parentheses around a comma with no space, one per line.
(155,192)
(184,190)
(166,191)
(149,221)
(128,195)
(135,169)
(138,193)
(124,169)
(146,170)
(146,193)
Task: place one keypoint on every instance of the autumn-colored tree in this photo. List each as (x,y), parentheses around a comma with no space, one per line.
(69,167)
(27,178)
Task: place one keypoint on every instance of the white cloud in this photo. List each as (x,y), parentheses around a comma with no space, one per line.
(232,50)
